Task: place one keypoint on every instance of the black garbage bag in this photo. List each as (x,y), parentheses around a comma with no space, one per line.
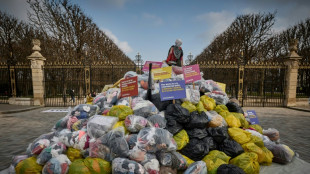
(230,148)
(173,126)
(219,134)
(229,169)
(157,121)
(211,143)
(172,159)
(197,133)
(178,113)
(197,120)
(234,107)
(196,149)
(160,105)
(131,140)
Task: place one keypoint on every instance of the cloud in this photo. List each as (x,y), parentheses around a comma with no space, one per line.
(216,22)
(153,19)
(16,8)
(106,4)
(123,45)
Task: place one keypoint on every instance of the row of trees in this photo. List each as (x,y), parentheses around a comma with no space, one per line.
(66,34)
(250,38)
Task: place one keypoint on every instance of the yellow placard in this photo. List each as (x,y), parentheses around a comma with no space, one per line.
(222,86)
(162,73)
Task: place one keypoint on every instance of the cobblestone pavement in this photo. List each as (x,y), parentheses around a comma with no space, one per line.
(20,129)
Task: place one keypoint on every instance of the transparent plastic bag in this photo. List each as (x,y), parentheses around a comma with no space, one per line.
(99,125)
(110,146)
(135,123)
(272,133)
(198,167)
(83,111)
(145,108)
(53,150)
(124,166)
(59,164)
(153,139)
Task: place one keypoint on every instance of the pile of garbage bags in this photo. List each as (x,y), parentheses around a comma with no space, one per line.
(206,132)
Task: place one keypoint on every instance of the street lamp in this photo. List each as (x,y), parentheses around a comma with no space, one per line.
(139,61)
(189,59)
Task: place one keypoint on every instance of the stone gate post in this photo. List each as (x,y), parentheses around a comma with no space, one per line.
(37,63)
(291,62)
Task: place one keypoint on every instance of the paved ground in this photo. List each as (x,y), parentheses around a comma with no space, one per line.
(20,129)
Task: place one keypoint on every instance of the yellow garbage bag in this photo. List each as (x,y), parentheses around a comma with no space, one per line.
(220,108)
(181,139)
(213,165)
(257,127)
(268,157)
(120,111)
(241,118)
(74,154)
(188,160)
(247,161)
(232,121)
(200,107)
(189,106)
(98,165)
(239,135)
(257,141)
(78,166)
(251,147)
(28,166)
(121,124)
(208,103)
(214,159)
(214,154)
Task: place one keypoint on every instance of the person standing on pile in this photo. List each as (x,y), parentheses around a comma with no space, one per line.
(175,54)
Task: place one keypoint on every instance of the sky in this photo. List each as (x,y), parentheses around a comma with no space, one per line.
(151,27)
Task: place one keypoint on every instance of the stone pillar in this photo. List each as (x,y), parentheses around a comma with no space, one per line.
(291,62)
(37,63)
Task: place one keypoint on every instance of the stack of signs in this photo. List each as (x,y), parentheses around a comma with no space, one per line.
(129,87)
(175,89)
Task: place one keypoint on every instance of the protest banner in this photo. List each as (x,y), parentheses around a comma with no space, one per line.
(253,117)
(129,87)
(191,73)
(162,73)
(155,65)
(172,90)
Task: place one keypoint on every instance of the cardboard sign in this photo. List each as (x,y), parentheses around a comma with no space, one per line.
(191,73)
(155,65)
(222,86)
(253,117)
(129,87)
(162,73)
(172,90)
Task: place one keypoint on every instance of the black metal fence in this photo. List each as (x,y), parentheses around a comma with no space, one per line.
(303,81)
(61,78)
(263,83)
(5,89)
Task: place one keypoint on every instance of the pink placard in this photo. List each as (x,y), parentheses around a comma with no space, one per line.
(155,65)
(191,73)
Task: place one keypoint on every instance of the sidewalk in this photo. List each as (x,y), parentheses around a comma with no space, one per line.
(7,108)
(301,108)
